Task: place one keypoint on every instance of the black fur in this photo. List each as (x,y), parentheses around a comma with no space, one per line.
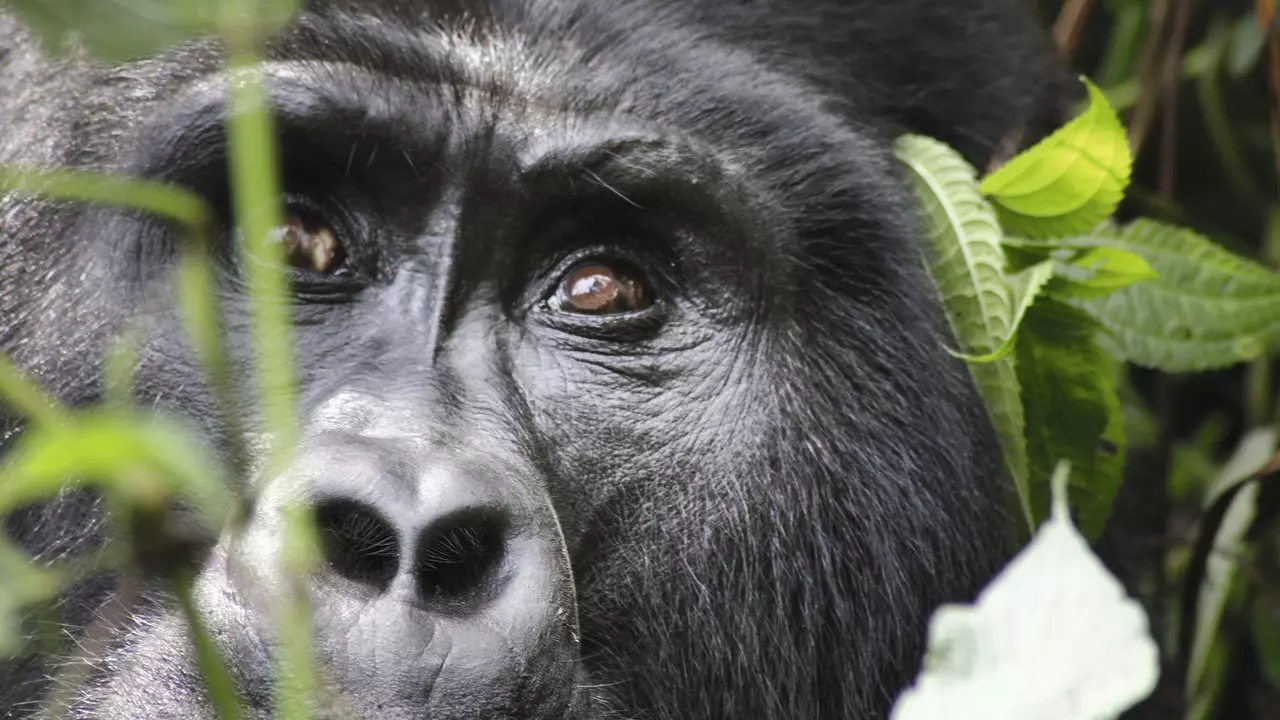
(764,488)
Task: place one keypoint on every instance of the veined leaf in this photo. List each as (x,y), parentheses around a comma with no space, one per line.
(1073,411)
(1068,182)
(966,262)
(1207,309)
(1024,287)
(1100,271)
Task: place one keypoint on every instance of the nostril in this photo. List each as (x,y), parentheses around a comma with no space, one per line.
(459,554)
(358,543)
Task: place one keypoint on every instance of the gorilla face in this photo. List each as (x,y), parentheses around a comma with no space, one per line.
(623,393)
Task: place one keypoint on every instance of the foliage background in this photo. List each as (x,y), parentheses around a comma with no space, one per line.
(1197,83)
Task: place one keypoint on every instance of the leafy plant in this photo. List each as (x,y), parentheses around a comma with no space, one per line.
(1075,299)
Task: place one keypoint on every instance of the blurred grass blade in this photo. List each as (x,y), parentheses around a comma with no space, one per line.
(135,457)
(158,199)
(256,194)
(213,668)
(22,395)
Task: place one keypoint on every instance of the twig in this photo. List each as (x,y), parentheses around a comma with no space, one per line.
(1071,20)
(1148,67)
(1170,80)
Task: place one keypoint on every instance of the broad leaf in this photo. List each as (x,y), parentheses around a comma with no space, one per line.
(1100,271)
(1207,309)
(1073,411)
(966,262)
(1068,182)
(1053,637)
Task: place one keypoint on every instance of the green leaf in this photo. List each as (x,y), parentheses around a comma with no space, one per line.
(1207,309)
(123,30)
(165,201)
(25,398)
(1053,637)
(22,585)
(114,31)
(1101,271)
(133,457)
(1222,564)
(1068,182)
(966,261)
(1072,410)
(1025,286)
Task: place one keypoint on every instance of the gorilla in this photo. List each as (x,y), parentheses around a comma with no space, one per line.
(623,393)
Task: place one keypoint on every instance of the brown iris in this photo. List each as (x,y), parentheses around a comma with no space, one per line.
(311,246)
(594,288)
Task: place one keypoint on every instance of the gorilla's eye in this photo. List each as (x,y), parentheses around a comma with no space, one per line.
(312,246)
(593,287)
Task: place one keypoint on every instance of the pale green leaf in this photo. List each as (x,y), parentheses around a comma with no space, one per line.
(1068,182)
(25,399)
(1053,637)
(966,261)
(1222,564)
(22,585)
(1101,271)
(119,30)
(1207,309)
(1024,286)
(1072,409)
(134,457)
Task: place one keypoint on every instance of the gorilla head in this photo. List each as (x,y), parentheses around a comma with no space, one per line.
(624,395)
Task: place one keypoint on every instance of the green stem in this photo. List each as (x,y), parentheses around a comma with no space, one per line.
(222,689)
(255,182)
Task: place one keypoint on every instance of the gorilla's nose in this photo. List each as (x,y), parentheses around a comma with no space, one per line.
(444,582)
(451,561)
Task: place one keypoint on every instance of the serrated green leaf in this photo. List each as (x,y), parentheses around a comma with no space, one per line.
(966,261)
(1068,182)
(1053,637)
(1024,286)
(1072,410)
(1207,309)
(1100,271)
